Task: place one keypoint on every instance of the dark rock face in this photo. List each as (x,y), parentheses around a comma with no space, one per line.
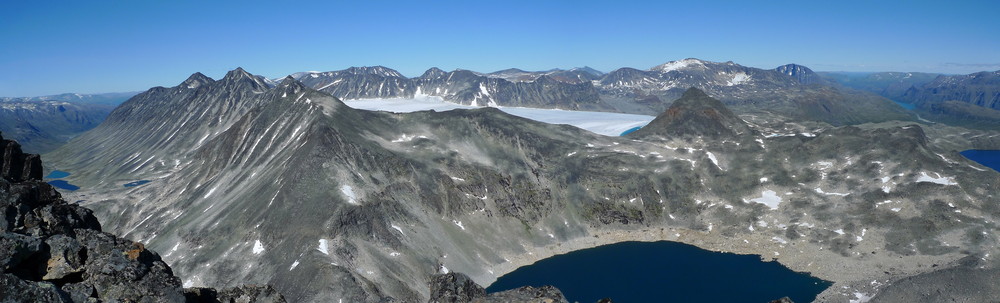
(246,293)
(17,166)
(56,252)
(458,288)
(454,287)
(695,114)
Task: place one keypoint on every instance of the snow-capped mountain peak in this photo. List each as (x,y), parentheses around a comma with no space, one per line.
(679,65)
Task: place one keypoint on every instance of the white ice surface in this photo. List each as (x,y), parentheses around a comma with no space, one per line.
(608,124)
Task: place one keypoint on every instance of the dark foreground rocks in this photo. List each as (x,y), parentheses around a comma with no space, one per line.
(51,251)
(458,288)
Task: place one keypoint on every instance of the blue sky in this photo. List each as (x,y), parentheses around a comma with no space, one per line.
(50,47)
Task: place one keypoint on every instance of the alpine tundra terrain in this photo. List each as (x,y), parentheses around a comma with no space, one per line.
(254,182)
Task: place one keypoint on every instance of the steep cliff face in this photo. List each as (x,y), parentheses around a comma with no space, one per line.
(51,251)
(16,166)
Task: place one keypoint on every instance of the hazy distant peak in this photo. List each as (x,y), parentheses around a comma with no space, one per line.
(801,73)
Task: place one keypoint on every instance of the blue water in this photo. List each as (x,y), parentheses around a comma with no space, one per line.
(630,130)
(663,272)
(57,174)
(906,105)
(136,183)
(63,184)
(988,158)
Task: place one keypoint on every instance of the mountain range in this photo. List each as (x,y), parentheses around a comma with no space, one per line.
(793,91)
(277,181)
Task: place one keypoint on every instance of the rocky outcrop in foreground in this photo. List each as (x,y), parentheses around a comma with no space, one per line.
(16,166)
(51,251)
(458,288)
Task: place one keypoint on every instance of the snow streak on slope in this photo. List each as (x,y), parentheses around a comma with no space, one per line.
(608,124)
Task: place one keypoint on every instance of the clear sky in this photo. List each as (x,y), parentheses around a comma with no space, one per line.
(50,47)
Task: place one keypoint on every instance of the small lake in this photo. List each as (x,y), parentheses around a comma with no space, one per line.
(54,177)
(136,183)
(63,185)
(988,158)
(57,174)
(907,106)
(663,272)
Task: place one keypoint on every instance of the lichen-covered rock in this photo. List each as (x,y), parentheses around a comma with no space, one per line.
(239,294)
(14,289)
(458,288)
(15,248)
(454,287)
(66,257)
(526,294)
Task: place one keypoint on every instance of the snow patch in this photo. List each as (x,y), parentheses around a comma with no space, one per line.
(323,247)
(769,198)
(715,161)
(294,264)
(820,191)
(924,177)
(860,298)
(458,223)
(348,192)
(738,79)
(257,247)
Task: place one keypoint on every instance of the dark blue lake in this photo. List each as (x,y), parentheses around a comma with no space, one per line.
(56,174)
(63,184)
(663,272)
(136,183)
(988,158)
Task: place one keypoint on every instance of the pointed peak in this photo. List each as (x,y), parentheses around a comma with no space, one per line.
(695,114)
(237,73)
(195,80)
(287,80)
(433,72)
(694,92)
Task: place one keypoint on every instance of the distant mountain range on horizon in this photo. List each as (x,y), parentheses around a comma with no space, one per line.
(793,91)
